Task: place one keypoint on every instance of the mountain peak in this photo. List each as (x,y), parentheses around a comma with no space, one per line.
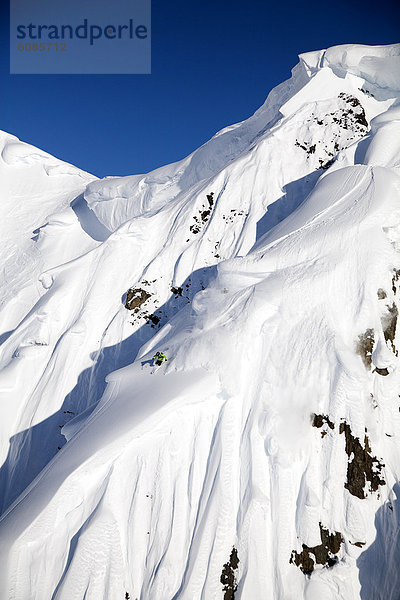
(259,460)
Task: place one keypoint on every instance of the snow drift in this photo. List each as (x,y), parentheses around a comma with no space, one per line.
(262,460)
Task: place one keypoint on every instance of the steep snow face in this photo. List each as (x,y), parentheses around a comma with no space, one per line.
(261,461)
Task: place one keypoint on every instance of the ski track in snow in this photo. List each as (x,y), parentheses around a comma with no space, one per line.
(258,264)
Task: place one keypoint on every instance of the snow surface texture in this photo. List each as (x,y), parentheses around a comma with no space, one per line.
(262,461)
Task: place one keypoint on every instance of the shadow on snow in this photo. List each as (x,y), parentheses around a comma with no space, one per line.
(379,571)
(30,450)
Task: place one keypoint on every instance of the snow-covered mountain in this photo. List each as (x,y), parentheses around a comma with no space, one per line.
(262,460)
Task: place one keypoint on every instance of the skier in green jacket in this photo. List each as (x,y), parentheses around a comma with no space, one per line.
(159,357)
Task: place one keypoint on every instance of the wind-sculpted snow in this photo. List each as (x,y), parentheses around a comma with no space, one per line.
(379,65)
(261,460)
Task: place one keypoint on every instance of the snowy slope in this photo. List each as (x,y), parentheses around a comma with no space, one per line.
(34,185)
(266,265)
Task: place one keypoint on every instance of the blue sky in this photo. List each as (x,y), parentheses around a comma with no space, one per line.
(213,64)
